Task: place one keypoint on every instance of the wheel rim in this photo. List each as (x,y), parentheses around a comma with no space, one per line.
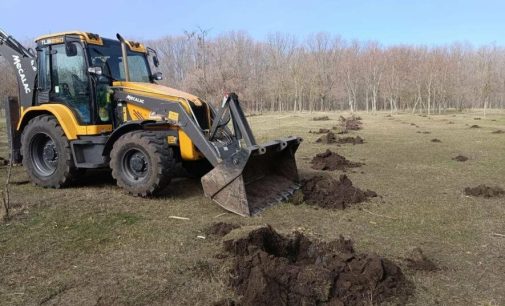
(44,154)
(135,165)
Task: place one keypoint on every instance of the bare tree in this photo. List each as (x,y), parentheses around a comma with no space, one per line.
(325,72)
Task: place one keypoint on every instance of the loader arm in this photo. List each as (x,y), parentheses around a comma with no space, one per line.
(247,177)
(24,65)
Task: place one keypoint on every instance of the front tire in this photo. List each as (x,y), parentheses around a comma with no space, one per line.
(142,163)
(47,156)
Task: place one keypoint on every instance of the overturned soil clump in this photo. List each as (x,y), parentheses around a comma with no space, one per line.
(354,140)
(460,158)
(3,161)
(351,123)
(327,138)
(221,229)
(436,140)
(498,132)
(475,126)
(485,191)
(327,192)
(416,260)
(339,130)
(331,161)
(330,138)
(272,269)
(321,118)
(320,131)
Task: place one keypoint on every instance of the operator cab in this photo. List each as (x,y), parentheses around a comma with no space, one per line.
(78,68)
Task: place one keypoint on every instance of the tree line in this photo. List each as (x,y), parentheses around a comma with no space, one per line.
(325,72)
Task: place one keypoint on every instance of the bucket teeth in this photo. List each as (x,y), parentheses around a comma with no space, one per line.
(252,180)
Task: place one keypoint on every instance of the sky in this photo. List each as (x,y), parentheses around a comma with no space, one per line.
(389,22)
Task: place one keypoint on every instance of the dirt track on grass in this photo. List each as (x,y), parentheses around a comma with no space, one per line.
(485,191)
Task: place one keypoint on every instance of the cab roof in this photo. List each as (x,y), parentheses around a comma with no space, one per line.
(88,37)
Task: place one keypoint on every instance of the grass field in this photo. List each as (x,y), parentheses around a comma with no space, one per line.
(93,244)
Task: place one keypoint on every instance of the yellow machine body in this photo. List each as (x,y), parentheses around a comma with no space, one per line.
(73,129)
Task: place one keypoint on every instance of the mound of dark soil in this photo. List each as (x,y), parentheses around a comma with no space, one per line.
(339,130)
(221,229)
(350,139)
(416,260)
(327,192)
(475,126)
(322,118)
(3,161)
(436,140)
(272,269)
(485,191)
(460,158)
(351,123)
(320,131)
(331,161)
(328,138)
(450,122)
(477,118)
(498,132)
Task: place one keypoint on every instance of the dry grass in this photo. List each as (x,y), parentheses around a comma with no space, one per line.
(93,244)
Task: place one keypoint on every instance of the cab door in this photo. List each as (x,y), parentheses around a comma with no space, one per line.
(70,83)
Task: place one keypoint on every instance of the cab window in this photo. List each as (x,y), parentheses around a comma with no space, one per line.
(70,83)
(138,68)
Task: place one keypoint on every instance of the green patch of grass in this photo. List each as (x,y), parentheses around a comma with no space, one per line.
(74,232)
(91,229)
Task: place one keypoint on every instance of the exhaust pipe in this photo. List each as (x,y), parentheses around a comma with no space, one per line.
(124,53)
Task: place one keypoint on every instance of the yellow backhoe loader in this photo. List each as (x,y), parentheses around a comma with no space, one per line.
(90,102)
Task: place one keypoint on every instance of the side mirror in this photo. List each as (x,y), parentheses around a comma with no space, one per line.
(156,61)
(70,49)
(157,76)
(95,70)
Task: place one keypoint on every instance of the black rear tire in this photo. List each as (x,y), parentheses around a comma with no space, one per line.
(142,163)
(47,156)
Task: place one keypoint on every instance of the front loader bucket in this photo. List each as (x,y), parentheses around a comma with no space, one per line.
(254,178)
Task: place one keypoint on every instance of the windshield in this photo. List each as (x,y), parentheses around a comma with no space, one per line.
(110,59)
